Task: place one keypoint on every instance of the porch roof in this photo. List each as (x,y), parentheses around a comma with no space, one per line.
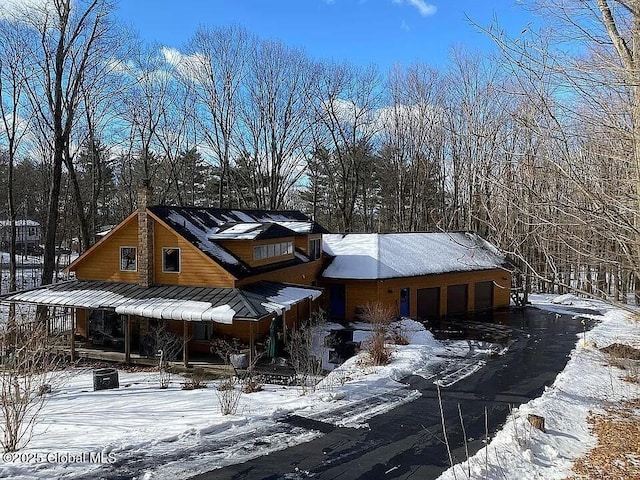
(170,302)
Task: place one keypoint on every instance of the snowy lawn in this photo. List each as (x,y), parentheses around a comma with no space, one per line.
(176,433)
(173,433)
(588,383)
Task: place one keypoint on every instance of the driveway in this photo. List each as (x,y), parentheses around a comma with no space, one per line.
(407,442)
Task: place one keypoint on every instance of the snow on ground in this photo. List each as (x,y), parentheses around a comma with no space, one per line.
(588,383)
(139,426)
(176,433)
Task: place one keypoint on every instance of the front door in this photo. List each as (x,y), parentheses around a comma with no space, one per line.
(405,302)
(337,302)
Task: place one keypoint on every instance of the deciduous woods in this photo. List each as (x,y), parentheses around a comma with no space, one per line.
(536,149)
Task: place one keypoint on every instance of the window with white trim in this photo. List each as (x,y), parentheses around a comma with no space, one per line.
(128,259)
(171,260)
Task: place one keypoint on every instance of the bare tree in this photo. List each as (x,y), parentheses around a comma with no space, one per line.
(65,37)
(583,101)
(166,346)
(28,373)
(303,351)
(275,122)
(345,100)
(215,68)
(379,315)
(412,149)
(13,121)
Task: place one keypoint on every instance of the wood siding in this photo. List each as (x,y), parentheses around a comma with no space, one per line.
(361,292)
(196,269)
(303,274)
(102,261)
(244,250)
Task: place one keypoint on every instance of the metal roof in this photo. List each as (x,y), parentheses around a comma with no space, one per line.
(170,302)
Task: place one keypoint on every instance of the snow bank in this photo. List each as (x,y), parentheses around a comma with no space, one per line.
(588,383)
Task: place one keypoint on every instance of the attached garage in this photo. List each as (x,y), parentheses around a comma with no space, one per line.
(421,275)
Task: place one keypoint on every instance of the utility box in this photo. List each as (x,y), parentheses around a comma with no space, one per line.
(105,378)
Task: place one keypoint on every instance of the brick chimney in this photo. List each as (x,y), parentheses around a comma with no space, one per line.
(145,237)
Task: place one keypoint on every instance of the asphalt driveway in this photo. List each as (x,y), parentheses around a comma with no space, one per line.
(407,442)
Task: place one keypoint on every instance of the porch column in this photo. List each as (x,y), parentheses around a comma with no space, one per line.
(251,343)
(284,326)
(127,339)
(72,345)
(185,343)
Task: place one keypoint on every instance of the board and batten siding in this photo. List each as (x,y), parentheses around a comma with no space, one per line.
(360,292)
(196,269)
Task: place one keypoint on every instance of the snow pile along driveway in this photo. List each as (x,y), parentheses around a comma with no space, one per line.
(588,383)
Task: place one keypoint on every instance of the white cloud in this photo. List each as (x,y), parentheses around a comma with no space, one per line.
(12,9)
(405,26)
(425,9)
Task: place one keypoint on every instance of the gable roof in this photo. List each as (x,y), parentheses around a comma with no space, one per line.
(204,227)
(370,256)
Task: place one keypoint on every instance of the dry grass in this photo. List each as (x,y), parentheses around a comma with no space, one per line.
(617,455)
(379,316)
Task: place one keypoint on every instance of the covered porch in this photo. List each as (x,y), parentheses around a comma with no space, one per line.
(109,320)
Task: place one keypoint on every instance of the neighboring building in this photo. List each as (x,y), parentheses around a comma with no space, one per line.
(420,275)
(28,235)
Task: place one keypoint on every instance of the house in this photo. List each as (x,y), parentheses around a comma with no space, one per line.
(419,275)
(252,274)
(28,235)
(205,272)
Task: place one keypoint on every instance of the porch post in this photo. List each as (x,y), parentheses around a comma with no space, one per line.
(284,326)
(73,334)
(127,339)
(251,342)
(185,343)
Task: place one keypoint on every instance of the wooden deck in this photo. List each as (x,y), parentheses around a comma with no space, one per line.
(272,373)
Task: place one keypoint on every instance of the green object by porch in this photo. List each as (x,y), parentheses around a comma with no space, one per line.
(273,338)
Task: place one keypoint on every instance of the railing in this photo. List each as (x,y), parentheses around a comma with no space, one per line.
(60,323)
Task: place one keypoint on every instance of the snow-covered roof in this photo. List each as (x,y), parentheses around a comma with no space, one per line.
(392,255)
(206,227)
(20,223)
(197,304)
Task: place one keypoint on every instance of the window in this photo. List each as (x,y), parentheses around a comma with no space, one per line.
(202,331)
(171,260)
(128,259)
(262,252)
(315,249)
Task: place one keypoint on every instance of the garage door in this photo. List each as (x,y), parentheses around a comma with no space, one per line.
(456,299)
(428,302)
(484,295)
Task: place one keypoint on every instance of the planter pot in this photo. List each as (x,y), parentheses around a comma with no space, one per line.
(239,360)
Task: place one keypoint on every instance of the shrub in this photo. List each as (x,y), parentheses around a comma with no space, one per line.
(379,316)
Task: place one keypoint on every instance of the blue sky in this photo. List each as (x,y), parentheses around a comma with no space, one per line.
(383,32)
